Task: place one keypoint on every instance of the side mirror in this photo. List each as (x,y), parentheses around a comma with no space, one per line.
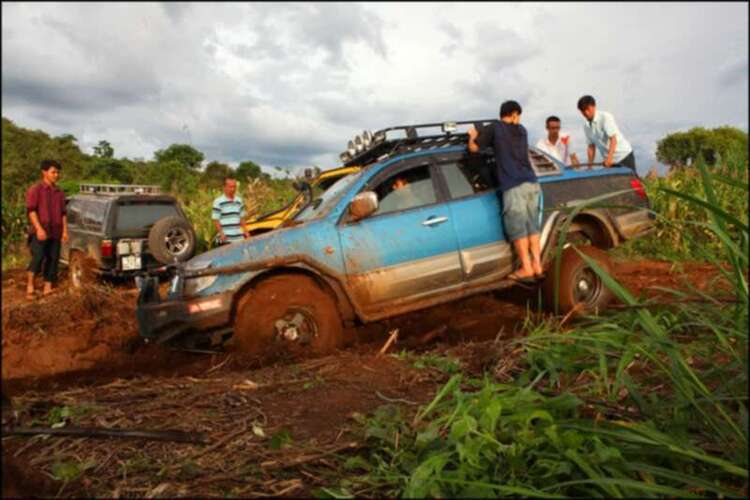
(363,205)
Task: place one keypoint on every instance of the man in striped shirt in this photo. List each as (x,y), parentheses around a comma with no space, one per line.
(227,214)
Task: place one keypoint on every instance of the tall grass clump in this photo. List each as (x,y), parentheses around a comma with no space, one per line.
(681,231)
(648,401)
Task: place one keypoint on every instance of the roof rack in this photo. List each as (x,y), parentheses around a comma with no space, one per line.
(119,189)
(368,147)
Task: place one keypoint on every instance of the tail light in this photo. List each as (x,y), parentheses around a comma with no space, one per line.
(637,186)
(106,248)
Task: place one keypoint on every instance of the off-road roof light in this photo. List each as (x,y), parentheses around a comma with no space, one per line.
(449,127)
(367,138)
(359,145)
(345,157)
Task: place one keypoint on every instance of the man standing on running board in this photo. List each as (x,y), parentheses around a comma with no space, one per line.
(518,184)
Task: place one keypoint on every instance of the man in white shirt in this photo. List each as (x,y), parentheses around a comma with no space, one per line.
(557,144)
(602,133)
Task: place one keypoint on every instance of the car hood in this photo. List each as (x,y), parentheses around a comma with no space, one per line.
(279,242)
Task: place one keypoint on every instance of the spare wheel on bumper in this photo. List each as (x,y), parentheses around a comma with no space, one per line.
(290,311)
(171,239)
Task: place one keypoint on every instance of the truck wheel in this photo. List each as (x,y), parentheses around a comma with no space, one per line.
(579,288)
(290,311)
(81,269)
(171,239)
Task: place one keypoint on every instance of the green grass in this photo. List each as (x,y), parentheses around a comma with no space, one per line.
(647,401)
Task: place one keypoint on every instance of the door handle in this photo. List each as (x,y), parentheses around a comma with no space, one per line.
(434,220)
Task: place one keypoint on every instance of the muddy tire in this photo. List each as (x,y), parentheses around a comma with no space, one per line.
(81,270)
(290,312)
(171,239)
(579,287)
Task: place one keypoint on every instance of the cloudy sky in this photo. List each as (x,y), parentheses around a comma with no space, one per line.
(289,84)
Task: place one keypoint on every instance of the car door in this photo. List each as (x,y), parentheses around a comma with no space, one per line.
(475,208)
(407,250)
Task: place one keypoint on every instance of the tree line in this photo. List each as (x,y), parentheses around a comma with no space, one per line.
(176,168)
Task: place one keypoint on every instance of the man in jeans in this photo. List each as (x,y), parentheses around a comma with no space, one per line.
(45,204)
(518,184)
(227,213)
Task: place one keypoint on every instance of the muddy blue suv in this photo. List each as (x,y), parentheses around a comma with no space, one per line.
(364,250)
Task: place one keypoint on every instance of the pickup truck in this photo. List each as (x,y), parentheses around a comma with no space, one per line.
(365,251)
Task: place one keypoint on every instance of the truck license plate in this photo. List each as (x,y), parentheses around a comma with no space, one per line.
(131,262)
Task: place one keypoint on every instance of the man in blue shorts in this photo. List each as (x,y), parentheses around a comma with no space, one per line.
(518,184)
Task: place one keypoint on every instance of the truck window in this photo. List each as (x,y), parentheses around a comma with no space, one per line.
(73,209)
(469,175)
(407,189)
(137,216)
(92,214)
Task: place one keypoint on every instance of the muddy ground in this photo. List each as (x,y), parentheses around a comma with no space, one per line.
(268,424)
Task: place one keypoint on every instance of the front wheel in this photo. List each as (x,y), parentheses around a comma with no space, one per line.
(289,311)
(580,288)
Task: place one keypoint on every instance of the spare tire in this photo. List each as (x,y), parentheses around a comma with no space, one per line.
(171,239)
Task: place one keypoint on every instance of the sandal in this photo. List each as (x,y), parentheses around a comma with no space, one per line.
(526,281)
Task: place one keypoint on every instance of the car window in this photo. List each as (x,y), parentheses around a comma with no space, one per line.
(407,189)
(92,214)
(73,212)
(142,215)
(321,206)
(467,176)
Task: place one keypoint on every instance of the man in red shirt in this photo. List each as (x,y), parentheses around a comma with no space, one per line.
(45,204)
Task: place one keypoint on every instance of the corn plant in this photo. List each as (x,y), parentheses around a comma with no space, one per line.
(648,401)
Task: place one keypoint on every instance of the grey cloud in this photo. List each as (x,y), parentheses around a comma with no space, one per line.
(734,74)
(175,10)
(329,25)
(74,96)
(454,36)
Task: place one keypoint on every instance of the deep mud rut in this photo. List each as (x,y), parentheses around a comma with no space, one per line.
(79,349)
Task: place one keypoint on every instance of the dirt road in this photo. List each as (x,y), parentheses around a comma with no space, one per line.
(264,417)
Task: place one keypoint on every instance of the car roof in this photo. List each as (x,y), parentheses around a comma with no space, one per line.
(124,197)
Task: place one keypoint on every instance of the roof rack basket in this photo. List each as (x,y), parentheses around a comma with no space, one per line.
(372,147)
(119,189)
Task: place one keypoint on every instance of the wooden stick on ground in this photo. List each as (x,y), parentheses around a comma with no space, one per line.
(393,335)
(178,436)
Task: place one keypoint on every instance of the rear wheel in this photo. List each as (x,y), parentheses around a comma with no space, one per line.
(579,287)
(288,311)
(81,269)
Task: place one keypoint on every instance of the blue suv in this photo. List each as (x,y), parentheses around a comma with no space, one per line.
(419,225)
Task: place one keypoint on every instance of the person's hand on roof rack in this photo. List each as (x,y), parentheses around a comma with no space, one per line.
(472,144)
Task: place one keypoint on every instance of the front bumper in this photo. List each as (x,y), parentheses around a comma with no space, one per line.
(162,320)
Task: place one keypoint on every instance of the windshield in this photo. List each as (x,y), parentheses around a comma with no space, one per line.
(322,205)
(137,217)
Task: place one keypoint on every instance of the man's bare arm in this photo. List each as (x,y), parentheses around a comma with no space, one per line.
(611,153)
(591,152)
(473,134)
(65,228)
(41,234)
(219,229)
